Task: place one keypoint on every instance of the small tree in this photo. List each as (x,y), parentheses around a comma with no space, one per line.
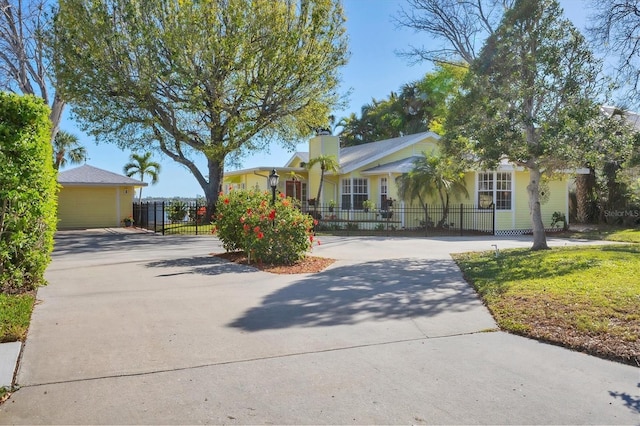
(326,163)
(67,148)
(142,165)
(177,211)
(433,175)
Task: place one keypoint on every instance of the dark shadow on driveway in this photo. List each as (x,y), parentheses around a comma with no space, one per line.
(390,289)
(203,265)
(75,242)
(631,402)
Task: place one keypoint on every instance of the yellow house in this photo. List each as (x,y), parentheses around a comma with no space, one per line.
(368,172)
(94,198)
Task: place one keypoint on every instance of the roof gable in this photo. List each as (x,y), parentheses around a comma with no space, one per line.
(301,157)
(355,157)
(93,176)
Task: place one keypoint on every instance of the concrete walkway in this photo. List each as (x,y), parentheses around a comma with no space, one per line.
(147,329)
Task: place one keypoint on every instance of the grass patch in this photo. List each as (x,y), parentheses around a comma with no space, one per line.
(15,314)
(611,234)
(624,235)
(187,229)
(585,298)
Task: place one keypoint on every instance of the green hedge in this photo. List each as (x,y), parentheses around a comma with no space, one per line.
(28,192)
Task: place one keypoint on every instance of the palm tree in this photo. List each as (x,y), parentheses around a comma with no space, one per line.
(142,165)
(67,148)
(432,174)
(327,163)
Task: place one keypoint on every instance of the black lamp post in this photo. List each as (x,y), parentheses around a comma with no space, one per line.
(273,183)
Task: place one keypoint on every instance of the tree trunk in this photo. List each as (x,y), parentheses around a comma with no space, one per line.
(445,209)
(539,236)
(582,199)
(213,187)
(57,107)
(315,206)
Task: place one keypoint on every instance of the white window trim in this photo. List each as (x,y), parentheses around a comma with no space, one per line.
(386,187)
(494,175)
(351,188)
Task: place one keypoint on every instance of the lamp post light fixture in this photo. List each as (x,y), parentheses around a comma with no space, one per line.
(273,183)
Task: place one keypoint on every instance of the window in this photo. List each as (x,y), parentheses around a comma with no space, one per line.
(495,189)
(354,192)
(346,194)
(503,191)
(485,190)
(383,191)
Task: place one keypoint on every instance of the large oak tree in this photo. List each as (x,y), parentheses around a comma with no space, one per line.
(531,97)
(215,78)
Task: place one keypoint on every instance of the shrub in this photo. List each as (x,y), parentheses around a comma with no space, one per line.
(28,191)
(558,217)
(197,214)
(177,211)
(247,221)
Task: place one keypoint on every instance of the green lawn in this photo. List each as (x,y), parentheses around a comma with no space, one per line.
(15,314)
(611,234)
(187,229)
(583,298)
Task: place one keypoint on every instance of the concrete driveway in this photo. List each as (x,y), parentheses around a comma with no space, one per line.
(140,328)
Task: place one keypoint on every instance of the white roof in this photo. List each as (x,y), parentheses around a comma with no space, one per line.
(354,157)
(632,118)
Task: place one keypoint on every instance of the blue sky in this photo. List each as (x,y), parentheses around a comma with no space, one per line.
(374,70)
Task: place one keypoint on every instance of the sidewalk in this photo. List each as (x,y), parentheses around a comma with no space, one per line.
(146,329)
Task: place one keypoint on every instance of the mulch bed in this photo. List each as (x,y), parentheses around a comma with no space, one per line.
(308,265)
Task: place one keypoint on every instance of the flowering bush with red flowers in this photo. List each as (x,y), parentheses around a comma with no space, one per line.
(247,221)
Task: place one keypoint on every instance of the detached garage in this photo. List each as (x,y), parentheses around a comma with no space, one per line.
(94,198)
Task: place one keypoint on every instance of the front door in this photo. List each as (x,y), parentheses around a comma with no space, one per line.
(293,189)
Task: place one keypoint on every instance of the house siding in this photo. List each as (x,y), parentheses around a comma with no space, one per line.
(521,215)
(415,150)
(558,201)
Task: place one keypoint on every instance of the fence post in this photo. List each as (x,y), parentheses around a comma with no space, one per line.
(155,216)
(426,220)
(195,216)
(163,218)
(493,219)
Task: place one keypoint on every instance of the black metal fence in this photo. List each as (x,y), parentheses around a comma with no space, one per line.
(173,217)
(179,217)
(432,220)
